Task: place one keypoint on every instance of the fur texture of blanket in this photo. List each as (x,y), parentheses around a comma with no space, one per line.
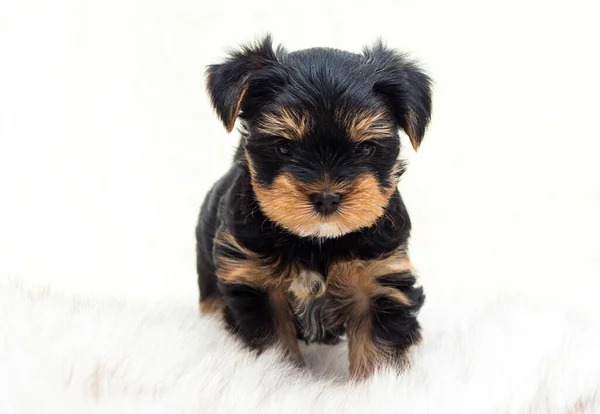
(73,355)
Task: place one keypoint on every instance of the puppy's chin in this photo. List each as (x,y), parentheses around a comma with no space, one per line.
(322,230)
(332,227)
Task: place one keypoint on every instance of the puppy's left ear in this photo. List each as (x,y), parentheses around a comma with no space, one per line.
(404,87)
(228,83)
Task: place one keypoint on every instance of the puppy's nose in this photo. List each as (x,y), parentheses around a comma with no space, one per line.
(325,202)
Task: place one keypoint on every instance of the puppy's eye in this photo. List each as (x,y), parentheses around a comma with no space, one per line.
(366,149)
(285,148)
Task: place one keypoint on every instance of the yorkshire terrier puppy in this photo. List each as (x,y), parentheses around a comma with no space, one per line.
(306,236)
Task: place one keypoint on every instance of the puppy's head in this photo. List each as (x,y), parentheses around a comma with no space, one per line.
(322,142)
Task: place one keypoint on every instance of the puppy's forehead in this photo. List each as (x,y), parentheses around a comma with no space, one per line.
(357,124)
(328,91)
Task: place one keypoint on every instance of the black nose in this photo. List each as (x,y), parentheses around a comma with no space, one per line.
(325,202)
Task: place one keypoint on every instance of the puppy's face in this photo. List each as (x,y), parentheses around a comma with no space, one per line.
(323,173)
(321,130)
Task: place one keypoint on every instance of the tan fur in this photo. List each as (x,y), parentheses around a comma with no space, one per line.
(235,110)
(305,284)
(355,282)
(364,126)
(410,121)
(251,270)
(364,356)
(284,123)
(306,287)
(285,331)
(211,305)
(287,203)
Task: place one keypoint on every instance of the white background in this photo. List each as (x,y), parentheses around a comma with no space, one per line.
(108,142)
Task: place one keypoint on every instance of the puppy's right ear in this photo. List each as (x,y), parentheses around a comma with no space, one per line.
(405,88)
(228,83)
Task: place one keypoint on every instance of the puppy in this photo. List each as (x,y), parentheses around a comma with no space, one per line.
(306,236)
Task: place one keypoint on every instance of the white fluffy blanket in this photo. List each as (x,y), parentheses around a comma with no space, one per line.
(74,355)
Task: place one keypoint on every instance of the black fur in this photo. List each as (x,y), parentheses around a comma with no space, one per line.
(394,323)
(248,313)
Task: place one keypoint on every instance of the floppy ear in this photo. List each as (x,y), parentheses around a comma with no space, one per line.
(228,83)
(405,88)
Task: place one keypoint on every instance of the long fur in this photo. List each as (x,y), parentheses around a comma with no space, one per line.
(77,355)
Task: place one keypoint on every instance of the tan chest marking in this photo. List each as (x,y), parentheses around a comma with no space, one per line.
(306,285)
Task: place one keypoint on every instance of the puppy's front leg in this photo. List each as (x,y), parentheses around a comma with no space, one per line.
(257,309)
(380,302)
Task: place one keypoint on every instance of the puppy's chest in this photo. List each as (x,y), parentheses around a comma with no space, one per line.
(310,296)
(309,299)
(307,284)
(309,276)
